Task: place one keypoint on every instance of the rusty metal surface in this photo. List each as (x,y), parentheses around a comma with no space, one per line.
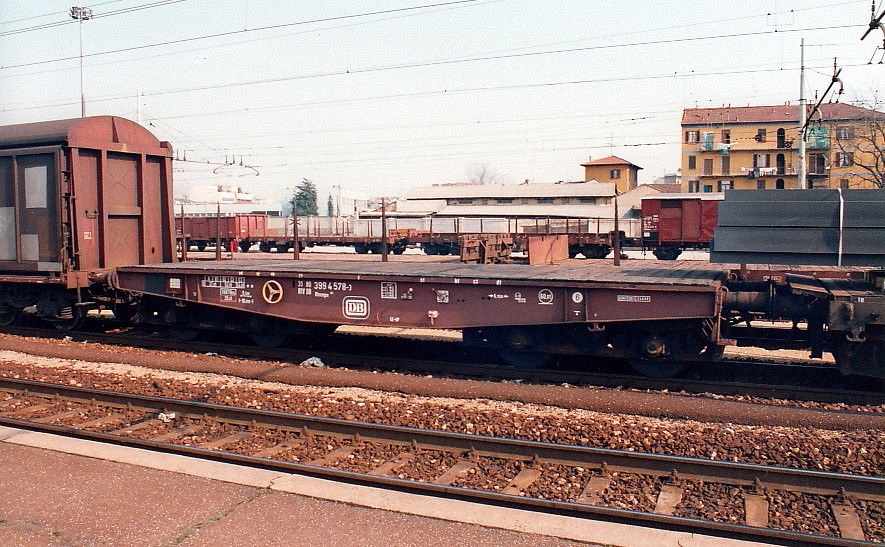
(93,193)
(681,273)
(547,249)
(79,132)
(678,221)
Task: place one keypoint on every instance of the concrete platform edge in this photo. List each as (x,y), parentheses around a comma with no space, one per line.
(377,498)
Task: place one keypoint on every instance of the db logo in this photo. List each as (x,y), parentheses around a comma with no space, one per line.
(355,307)
(272,292)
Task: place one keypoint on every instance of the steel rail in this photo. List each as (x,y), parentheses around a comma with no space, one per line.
(807,481)
(494,371)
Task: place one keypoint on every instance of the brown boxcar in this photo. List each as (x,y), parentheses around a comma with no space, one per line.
(673,223)
(77,198)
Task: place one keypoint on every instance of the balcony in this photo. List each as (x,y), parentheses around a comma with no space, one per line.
(758,172)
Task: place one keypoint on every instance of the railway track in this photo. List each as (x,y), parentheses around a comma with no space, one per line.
(678,492)
(812,383)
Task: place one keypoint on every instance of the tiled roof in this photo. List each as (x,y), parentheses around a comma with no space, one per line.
(568,189)
(773,114)
(666,188)
(610,160)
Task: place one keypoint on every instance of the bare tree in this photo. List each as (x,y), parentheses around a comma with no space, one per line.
(862,145)
(482,174)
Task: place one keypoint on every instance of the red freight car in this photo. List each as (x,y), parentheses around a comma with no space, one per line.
(672,223)
(241,230)
(78,198)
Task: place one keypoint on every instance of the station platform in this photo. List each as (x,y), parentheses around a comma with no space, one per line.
(61,491)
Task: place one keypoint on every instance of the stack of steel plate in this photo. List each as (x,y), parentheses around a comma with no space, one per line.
(801,227)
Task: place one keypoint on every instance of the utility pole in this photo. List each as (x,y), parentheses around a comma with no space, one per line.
(383,230)
(803,122)
(295,255)
(79,13)
(616,241)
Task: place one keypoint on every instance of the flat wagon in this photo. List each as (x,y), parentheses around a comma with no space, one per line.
(656,317)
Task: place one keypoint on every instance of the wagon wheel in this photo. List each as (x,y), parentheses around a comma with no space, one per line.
(8,315)
(70,319)
(270,340)
(658,368)
(657,354)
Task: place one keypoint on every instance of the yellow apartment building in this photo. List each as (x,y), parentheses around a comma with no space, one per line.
(620,172)
(756,147)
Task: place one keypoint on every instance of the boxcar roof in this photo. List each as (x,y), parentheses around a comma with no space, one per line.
(75,132)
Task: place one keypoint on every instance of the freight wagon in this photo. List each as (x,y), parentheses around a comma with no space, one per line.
(676,222)
(87,204)
(77,199)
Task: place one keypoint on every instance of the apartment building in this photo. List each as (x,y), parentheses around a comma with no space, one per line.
(756,147)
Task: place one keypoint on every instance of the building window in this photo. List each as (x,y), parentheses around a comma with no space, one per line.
(726,165)
(708,167)
(844,133)
(587,201)
(844,159)
(760,160)
(817,164)
(692,162)
(692,136)
(760,185)
(545,201)
(708,188)
(726,136)
(779,184)
(723,185)
(781,138)
(504,201)
(843,184)
(760,135)
(615,174)
(694,186)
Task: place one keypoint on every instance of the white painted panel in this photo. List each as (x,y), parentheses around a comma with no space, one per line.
(35,187)
(30,247)
(7,233)
(49,267)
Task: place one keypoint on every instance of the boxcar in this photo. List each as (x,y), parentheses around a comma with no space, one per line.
(675,222)
(78,198)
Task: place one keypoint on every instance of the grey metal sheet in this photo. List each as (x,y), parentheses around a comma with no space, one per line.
(7,228)
(30,247)
(801,227)
(799,240)
(869,214)
(808,196)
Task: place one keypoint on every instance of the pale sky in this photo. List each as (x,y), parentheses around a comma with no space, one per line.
(378,96)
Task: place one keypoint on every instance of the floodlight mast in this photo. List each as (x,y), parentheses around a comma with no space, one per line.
(81,13)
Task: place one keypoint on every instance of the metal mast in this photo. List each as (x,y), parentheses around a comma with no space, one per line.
(801,180)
